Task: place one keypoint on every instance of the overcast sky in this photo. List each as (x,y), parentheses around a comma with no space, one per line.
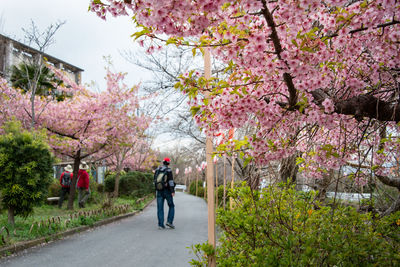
(82,41)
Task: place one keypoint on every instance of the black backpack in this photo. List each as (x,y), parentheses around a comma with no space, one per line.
(160,180)
(66,180)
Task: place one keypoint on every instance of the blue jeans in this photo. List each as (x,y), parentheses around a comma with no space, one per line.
(161,196)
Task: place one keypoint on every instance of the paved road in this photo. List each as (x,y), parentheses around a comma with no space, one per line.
(134,241)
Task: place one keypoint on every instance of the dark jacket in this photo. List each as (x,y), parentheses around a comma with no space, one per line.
(61,177)
(170,178)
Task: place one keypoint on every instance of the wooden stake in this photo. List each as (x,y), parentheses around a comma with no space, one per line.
(205,187)
(232,181)
(209,173)
(224,198)
(216,184)
(197,181)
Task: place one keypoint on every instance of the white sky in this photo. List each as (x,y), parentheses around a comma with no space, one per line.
(82,41)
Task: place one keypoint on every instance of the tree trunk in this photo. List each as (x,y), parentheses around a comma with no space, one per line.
(394,182)
(288,169)
(393,208)
(254,180)
(116,186)
(11,219)
(322,185)
(71,198)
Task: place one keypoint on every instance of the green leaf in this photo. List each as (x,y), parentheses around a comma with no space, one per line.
(139,34)
(194,110)
(299,160)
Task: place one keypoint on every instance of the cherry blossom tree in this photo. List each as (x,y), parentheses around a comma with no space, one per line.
(318,79)
(84,124)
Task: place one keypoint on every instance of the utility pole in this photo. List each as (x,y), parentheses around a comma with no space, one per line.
(209,172)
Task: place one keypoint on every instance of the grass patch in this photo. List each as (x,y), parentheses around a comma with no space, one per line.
(49,219)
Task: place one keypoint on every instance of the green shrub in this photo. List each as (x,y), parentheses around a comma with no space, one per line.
(135,184)
(109,183)
(54,188)
(26,169)
(283,227)
(95,196)
(100,188)
(220,192)
(200,189)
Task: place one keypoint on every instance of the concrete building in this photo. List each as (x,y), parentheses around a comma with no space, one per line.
(13,52)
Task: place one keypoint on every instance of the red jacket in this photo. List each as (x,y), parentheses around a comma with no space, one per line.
(62,175)
(83,179)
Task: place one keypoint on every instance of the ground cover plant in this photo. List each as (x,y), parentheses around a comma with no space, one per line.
(279,226)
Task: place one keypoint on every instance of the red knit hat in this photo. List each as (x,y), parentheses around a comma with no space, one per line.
(167,160)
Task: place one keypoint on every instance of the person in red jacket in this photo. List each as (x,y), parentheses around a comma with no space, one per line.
(65,182)
(83,184)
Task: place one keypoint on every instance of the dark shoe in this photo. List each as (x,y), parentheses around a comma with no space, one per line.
(161,227)
(81,205)
(170,225)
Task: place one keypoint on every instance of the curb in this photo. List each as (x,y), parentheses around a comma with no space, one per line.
(20,246)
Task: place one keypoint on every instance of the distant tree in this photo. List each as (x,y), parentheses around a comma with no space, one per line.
(26,168)
(35,66)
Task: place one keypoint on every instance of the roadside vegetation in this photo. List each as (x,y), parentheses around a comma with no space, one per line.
(47,219)
(281,226)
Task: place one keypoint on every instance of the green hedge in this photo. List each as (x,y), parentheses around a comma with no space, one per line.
(200,189)
(280,226)
(135,184)
(54,188)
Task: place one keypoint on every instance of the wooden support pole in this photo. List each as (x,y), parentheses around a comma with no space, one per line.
(197,181)
(232,180)
(209,173)
(224,197)
(205,187)
(216,184)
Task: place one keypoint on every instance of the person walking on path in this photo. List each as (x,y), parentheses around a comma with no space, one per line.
(65,182)
(83,184)
(165,190)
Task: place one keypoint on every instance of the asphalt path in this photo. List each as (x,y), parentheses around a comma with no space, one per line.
(134,241)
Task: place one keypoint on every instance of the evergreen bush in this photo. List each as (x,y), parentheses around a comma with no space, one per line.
(54,188)
(100,188)
(109,183)
(134,184)
(280,226)
(200,189)
(26,169)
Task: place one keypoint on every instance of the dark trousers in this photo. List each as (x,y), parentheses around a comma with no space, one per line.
(161,196)
(64,191)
